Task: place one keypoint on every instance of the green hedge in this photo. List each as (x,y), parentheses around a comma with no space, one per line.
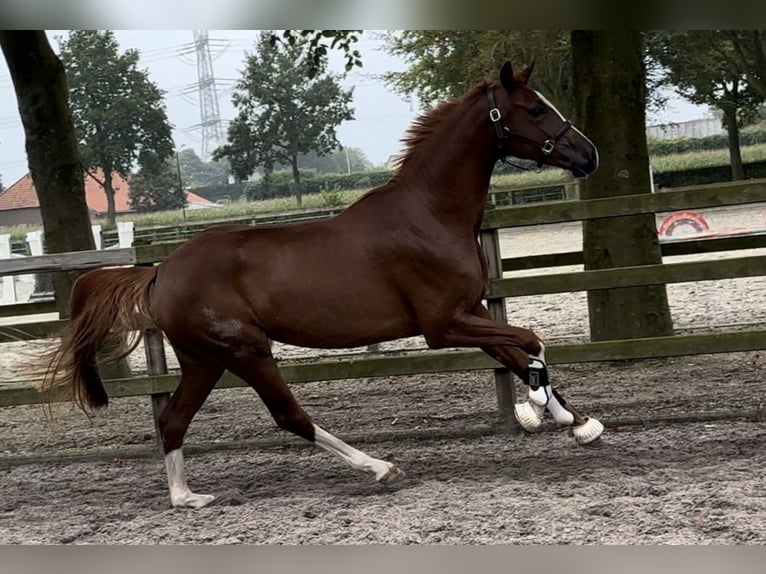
(703,175)
(280,184)
(658,147)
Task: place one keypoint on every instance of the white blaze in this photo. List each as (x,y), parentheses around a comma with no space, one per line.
(547,102)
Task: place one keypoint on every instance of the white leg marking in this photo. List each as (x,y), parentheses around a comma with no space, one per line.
(383,471)
(180,495)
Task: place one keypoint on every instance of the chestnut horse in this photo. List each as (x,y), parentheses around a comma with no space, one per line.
(403,260)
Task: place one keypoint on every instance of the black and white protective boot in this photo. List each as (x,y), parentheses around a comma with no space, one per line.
(543,397)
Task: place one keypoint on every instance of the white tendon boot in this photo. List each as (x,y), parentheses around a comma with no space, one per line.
(530,414)
(545,397)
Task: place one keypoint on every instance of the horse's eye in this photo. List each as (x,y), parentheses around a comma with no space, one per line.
(538,110)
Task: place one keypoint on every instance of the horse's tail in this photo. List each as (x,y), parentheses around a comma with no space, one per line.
(105,305)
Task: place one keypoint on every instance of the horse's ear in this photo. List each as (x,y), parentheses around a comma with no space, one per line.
(506,77)
(526,72)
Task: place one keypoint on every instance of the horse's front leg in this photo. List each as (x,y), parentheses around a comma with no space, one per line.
(524,353)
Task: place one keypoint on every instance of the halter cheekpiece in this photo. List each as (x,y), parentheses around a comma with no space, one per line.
(503,133)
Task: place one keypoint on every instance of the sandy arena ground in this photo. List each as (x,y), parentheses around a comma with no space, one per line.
(651,483)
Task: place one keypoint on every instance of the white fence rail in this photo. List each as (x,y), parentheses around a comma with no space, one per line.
(18,286)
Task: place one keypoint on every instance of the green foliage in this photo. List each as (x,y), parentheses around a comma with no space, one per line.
(279,183)
(749,49)
(703,67)
(445,63)
(156,187)
(197,173)
(316,43)
(283,112)
(704,159)
(118,113)
(338,161)
(331,197)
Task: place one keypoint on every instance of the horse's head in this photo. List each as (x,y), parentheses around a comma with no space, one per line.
(530,127)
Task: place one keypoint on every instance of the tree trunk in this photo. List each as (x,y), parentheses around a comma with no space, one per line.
(41,90)
(297,180)
(609,89)
(735,153)
(109,191)
(54,162)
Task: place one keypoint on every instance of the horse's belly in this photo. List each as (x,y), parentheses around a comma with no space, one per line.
(341,321)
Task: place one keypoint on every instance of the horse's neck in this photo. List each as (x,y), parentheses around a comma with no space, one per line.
(450,171)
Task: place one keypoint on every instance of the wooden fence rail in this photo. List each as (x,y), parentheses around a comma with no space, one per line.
(420,362)
(695,197)
(407,363)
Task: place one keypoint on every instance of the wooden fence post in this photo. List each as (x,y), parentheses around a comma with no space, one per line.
(504,383)
(156,364)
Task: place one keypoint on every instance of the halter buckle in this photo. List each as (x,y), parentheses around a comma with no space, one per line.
(494,115)
(547,147)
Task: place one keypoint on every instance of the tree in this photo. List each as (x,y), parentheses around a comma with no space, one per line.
(704,68)
(282,112)
(750,52)
(198,173)
(119,114)
(40,83)
(157,187)
(339,161)
(610,89)
(316,44)
(445,63)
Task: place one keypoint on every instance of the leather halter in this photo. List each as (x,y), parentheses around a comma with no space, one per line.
(503,133)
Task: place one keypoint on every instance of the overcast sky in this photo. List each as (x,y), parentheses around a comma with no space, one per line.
(381,115)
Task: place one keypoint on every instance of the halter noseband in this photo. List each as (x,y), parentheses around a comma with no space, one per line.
(504,133)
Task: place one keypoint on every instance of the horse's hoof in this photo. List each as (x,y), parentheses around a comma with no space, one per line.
(588,432)
(192,500)
(529,415)
(393,475)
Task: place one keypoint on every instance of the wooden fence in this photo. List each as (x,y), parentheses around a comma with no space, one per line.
(111,238)
(159,383)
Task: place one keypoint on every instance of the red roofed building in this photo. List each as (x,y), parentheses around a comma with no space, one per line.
(19,204)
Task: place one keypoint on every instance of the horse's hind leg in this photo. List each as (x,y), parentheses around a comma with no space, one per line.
(262,374)
(197,381)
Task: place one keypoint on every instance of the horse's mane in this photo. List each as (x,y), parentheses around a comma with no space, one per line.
(423,128)
(428,123)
